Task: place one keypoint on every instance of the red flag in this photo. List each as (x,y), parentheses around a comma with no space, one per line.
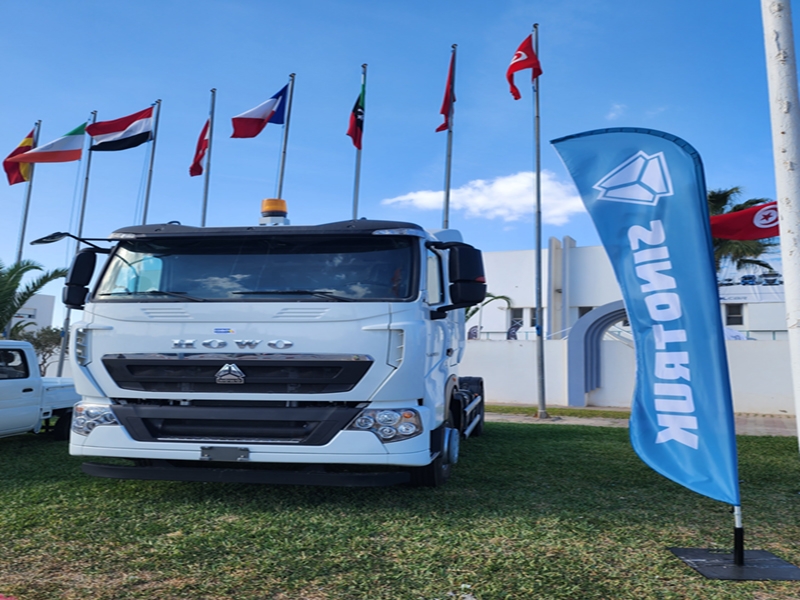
(449,95)
(524,58)
(355,128)
(754,223)
(200,152)
(15,171)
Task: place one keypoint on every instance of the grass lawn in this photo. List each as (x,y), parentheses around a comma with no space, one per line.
(532,512)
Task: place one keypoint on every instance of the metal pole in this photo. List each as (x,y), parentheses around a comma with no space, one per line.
(358,150)
(738,537)
(285,135)
(542,409)
(28,189)
(448,161)
(85,189)
(65,327)
(152,159)
(784,107)
(208,157)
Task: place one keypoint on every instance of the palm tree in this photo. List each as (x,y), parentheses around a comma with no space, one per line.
(473,310)
(12,296)
(738,252)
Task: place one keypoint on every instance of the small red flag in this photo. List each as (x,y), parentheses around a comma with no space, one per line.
(200,152)
(449,95)
(524,58)
(355,128)
(15,171)
(754,223)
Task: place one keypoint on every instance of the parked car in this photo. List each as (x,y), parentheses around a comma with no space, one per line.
(748,280)
(29,401)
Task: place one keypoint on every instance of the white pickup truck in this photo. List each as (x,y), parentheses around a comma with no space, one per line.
(29,401)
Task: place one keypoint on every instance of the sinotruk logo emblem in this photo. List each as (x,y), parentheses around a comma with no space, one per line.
(642,179)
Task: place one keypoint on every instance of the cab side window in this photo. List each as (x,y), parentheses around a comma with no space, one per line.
(13,365)
(434,279)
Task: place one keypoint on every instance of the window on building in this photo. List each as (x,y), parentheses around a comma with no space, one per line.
(734,314)
(517,317)
(533,317)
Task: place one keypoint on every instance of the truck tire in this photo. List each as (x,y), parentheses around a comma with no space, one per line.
(474,385)
(62,426)
(437,472)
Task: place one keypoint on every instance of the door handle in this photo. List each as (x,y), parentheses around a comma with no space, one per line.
(24,390)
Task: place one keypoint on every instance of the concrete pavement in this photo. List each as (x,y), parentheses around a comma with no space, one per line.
(746,424)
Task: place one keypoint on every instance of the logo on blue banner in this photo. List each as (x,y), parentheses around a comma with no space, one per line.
(645,192)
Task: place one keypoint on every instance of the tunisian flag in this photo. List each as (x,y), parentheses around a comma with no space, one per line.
(449,95)
(754,223)
(200,152)
(524,58)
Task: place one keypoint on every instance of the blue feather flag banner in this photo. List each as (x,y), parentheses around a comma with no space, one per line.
(645,191)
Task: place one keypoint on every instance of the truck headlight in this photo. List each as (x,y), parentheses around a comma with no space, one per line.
(85,417)
(390,425)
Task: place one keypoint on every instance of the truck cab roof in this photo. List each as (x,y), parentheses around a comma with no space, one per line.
(176,230)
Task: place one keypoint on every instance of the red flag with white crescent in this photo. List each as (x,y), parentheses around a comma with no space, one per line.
(200,152)
(524,58)
(754,223)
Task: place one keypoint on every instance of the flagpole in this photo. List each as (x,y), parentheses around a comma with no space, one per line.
(542,409)
(85,188)
(358,150)
(67,315)
(279,195)
(152,159)
(208,157)
(449,159)
(28,190)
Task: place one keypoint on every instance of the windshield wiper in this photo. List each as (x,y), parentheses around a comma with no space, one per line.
(319,293)
(181,295)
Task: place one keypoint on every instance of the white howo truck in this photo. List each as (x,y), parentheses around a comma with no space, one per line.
(322,355)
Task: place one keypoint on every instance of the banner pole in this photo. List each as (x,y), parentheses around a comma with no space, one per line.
(208,156)
(285,135)
(28,190)
(542,407)
(152,159)
(449,159)
(738,537)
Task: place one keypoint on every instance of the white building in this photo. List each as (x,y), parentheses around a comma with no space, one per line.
(595,366)
(38,310)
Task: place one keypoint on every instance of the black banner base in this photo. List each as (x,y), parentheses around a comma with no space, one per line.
(759,565)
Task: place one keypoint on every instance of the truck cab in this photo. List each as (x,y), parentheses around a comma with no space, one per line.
(322,354)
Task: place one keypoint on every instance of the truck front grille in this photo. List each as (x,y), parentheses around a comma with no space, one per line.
(308,426)
(260,373)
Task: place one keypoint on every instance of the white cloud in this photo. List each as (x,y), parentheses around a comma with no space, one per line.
(509,198)
(617,110)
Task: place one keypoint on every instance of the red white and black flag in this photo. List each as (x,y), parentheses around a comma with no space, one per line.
(200,152)
(754,223)
(449,94)
(356,128)
(123,133)
(524,58)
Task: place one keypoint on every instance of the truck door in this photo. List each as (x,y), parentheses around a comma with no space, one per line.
(20,392)
(438,330)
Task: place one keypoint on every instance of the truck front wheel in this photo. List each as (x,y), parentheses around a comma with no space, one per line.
(62,426)
(438,471)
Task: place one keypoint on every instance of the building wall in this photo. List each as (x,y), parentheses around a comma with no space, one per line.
(759,370)
(39,310)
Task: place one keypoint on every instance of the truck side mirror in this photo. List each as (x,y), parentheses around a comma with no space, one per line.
(467,279)
(82,269)
(78,278)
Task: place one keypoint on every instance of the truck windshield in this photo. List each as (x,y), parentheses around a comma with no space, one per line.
(262,269)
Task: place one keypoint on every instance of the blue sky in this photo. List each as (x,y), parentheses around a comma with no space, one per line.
(693,69)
